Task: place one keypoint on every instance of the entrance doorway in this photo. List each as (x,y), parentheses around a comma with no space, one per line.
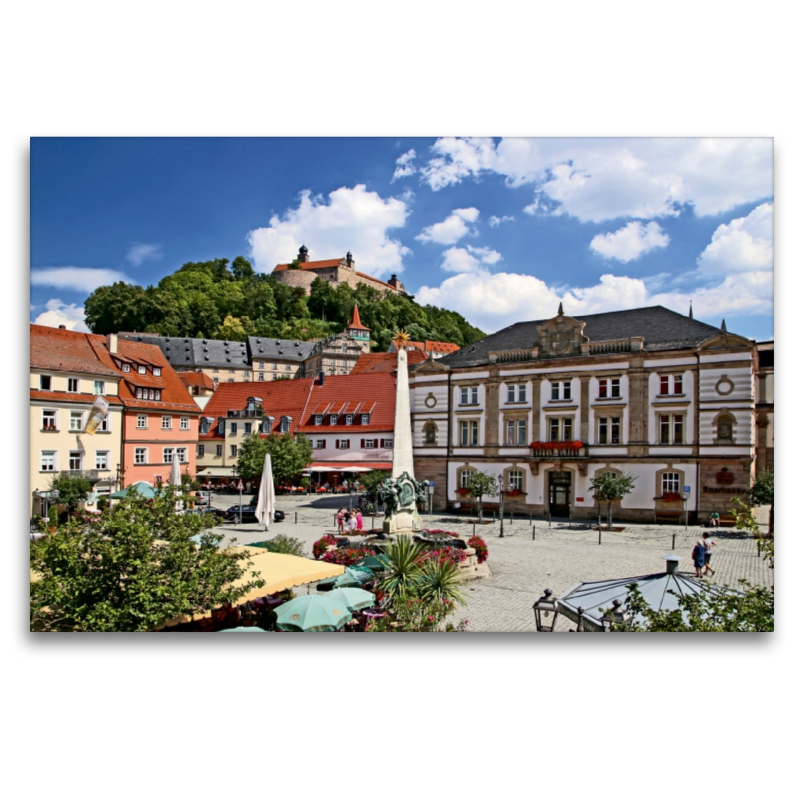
(560,493)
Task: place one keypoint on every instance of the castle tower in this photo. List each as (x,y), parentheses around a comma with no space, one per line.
(357,331)
(302,256)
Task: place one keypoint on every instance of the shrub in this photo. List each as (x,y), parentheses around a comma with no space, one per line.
(285,544)
(481,550)
(321,545)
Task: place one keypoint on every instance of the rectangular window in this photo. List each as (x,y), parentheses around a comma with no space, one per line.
(522,393)
(608,430)
(464,477)
(474,395)
(343,444)
(234,451)
(512,394)
(670,482)
(234,428)
(45,382)
(388,443)
(670,429)
(288,367)
(515,480)
(602,387)
(274,366)
(99,387)
(218,450)
(365,419)
(48,420)
(463,433)
(663,429)
(560,429)
(248,427)
(348,419)
(318,419)
(677,429)
(522,432)
(334,419)
(73,385)
(181,453)
(142,370)
(126,367)
(369,444)
(104,426)
(319,444)
(473,433)
(663,384)
(567,429)
(48,462)
(554,428)
(76,420)
(169,452)
(261,376)
(555,390)
(464,395)
(141,420)
(166,423)
(615,391)
(184,423)
(201,450)
(76,460)
(247,373)
(510,431)
(157,371)
(602,430)
(677,384)
(261,365)
(101,459)
(140,455)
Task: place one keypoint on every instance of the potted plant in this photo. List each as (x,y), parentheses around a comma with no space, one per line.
(52,518)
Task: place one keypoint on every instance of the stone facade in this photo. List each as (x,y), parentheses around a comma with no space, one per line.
(547,406)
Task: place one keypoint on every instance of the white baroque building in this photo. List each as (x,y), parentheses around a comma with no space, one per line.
(549,404)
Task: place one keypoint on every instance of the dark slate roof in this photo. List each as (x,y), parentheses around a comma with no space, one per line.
(284,349)
(182,352)
(661,328)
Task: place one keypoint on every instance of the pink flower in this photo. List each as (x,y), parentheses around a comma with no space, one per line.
(430,618)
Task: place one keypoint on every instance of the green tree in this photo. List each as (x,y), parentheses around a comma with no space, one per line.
(762,493)
(133,568)
(608,487)
(235,329)
(481,485)
(119,307)
(289,454)
(373,479)
(72,489)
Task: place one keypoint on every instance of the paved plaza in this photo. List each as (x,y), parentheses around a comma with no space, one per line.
(522,567)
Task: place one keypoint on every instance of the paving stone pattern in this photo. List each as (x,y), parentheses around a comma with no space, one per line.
(559,557)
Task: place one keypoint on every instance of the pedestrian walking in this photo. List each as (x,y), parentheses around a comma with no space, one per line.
(708,543)
(340,520)
(699,557)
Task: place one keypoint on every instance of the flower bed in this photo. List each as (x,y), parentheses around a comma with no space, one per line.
(443,554)
(346,556)
(576,445)
(481,550)
(321,545)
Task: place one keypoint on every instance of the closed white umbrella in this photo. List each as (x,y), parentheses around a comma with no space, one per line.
(265,508)
(175,482)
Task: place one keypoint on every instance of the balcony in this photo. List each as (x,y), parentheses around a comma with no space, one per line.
(91,474)
(246,413)
(559,450)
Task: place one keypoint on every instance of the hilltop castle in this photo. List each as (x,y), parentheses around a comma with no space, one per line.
(334,270)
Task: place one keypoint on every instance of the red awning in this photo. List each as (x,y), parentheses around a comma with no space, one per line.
(344,467)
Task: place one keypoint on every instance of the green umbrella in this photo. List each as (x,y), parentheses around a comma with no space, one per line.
(354,599)
(373,563)
(312,612)
(144,489)
(253,629)
(353,577)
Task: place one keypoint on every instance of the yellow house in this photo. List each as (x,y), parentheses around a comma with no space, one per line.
(68,372)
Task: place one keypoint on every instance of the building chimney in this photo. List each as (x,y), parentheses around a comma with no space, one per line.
(62,327)
(111,342)
(672,559)
(321,378)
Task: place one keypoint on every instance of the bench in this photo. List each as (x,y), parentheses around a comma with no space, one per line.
(668,517)
(727,521)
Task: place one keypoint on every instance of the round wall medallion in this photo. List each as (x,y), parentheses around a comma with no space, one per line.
(430,400)
(724,385)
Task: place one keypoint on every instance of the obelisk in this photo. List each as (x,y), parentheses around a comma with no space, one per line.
(403,456)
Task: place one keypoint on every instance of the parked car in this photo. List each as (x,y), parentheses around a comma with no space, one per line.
(248,514)
(202,497)
(279,516)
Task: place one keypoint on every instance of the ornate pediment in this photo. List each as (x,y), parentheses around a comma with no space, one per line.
(562,336)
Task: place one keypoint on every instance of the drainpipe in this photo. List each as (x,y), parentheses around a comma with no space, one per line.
(697,438)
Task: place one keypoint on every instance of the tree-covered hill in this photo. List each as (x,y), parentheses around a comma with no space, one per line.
(219,300)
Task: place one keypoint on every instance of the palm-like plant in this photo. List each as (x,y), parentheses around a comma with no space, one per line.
(402,571)
(440,582)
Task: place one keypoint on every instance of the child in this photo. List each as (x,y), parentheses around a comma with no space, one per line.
(359,522)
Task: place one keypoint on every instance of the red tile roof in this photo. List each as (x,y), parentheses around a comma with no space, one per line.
(371,363)
(330,262)
(67,351)
(355,320)
(302,398)
(441,347)
(69,397)
(199,379)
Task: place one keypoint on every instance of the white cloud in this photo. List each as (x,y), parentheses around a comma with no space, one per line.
(744,245)
(494,301)
(140,253)
(601,179)
(452,229)
(495,221)
(79,279)
(457,259)
(630,242)
(352,219)
(404,166)
(59,313)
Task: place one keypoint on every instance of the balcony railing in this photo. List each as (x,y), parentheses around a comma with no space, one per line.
(560,450)
(91,474)
(256,413)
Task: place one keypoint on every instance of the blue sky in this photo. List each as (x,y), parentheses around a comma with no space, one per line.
(500,230)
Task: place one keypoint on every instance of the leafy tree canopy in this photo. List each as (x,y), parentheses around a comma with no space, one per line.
(232,301)
(72,489)
(290,456)
(133,568)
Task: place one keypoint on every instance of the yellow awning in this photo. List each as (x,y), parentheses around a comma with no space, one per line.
(279,571)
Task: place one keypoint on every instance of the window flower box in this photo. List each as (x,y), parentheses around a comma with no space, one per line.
(464,491)
(671,497)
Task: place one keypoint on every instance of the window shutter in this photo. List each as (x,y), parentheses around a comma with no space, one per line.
(382,442)
(362,443)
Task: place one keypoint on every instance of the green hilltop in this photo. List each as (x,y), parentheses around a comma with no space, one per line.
(222,300)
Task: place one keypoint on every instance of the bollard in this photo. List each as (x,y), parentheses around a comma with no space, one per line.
(494,517)
(569,525)
(373,522)
(295,518)
(511,518)
(599,536)
(549,520)
(473,528)
(534,533)
(530,518)
(673,541)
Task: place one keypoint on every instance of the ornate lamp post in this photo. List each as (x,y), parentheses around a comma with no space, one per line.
(618,616)
(546,611)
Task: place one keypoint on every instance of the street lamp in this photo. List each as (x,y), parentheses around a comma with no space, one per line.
(546,611)
(618,617)
(502,513)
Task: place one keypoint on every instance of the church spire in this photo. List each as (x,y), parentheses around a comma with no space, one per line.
(723,327)
(691,314)
(560,309)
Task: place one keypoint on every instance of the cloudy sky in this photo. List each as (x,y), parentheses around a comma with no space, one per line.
(500,230)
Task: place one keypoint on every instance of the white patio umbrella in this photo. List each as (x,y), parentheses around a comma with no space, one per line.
(175,482)
(265,508)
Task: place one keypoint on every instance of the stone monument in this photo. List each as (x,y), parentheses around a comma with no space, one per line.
(401,492)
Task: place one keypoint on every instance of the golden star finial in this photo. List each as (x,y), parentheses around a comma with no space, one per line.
(400,339)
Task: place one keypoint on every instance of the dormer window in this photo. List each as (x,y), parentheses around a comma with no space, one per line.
(365,419)
(204,425)
(266,424)
(318,419)
(142,370)
(348,419)
(334,419)
(157,371)
(221,425)
(126,367)
(285,423)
